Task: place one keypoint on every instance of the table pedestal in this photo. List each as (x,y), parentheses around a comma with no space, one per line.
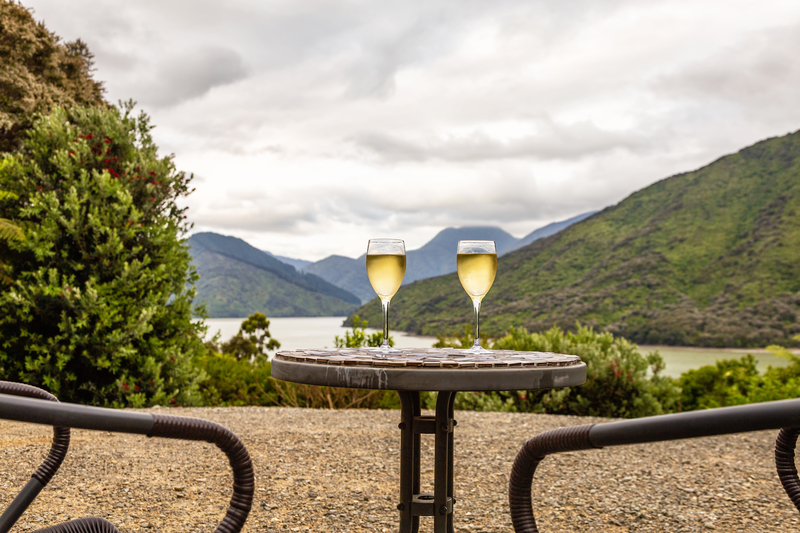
(414,504)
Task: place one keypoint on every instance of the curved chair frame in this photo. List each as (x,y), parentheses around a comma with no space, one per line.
(46,471)
(153,425)
(783,415)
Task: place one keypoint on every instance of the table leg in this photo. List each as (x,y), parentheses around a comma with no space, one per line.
(409,460)
(450,470)
(443,464)
(413,504)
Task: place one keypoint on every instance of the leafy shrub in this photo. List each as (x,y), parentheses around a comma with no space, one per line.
(252,341)
(617,380)
(357,337)
(736,382)
(232,381)
(620,381)
(101,304)
(39,72)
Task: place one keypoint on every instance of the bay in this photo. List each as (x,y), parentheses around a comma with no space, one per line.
(296,333)
(679,359)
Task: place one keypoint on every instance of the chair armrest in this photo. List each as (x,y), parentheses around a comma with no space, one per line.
(185,428)
(152,425)
(783,414)
(51,464)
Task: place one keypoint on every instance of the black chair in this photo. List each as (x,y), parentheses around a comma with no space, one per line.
(24,403)
(783,415)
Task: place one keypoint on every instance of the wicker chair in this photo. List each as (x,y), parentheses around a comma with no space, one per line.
(783,415)
(24,403)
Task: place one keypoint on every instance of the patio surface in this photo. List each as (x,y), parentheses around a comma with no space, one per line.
(337,471)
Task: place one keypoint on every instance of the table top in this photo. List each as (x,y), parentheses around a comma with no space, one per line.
(429,369)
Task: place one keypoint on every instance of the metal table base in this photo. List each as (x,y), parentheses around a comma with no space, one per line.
(428,369)
(413,503)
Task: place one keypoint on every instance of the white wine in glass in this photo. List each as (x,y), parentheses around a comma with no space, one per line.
(386,266)
(476,262)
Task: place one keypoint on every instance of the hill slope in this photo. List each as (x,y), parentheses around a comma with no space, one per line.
(345,272)
(541,233)
(710,257)
(237,280)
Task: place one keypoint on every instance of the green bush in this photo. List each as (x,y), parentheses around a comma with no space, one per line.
(736,382)
(358,338)
(101,305)
(232,381)
(620,381)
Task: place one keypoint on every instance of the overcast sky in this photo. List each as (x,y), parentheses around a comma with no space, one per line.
(312,126)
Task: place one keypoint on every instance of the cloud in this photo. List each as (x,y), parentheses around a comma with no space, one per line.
(552,142)
(193,75)
(318,124)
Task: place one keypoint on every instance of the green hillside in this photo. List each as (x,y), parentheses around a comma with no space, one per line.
(710,258)
(237,280)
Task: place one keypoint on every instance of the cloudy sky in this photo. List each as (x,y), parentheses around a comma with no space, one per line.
(312,126)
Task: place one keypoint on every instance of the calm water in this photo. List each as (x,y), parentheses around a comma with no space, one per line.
(309,332)
(318,332)
(679,359)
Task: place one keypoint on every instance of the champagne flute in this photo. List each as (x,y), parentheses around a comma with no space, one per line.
(476,262)
(386,266)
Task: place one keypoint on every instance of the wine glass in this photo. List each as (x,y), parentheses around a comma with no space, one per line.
(386,266)
(476,262)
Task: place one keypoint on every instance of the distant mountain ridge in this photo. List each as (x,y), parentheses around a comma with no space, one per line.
(709,257)
(435,258)
(237,280)
(298,264)
(545,231)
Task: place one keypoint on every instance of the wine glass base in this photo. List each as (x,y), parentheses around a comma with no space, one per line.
(477,350)
(385,351)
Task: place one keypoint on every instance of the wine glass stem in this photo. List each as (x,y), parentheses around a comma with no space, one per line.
(385,303)
(476,302)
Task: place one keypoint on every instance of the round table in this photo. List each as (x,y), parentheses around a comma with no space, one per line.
(445,370)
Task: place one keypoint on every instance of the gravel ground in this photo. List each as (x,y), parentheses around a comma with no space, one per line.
(337,471)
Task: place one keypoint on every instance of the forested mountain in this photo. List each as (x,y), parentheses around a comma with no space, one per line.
(298,264)
(710,258)
(237,280)
(345,272)
(545,231)
(436,257)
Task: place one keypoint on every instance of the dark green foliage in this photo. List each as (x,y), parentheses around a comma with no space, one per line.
(237,280)
(735,382)
(8,231)
(716,385)
(708,258)
(38,72)
(253,339)
(617,380)
(232,381)
(100,308)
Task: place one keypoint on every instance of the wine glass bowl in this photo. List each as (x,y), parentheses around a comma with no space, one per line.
(476,263)
(386,267)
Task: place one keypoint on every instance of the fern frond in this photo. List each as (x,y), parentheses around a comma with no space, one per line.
(10,232)
(5,195)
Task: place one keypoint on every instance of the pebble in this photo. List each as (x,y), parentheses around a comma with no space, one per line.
(337,471)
